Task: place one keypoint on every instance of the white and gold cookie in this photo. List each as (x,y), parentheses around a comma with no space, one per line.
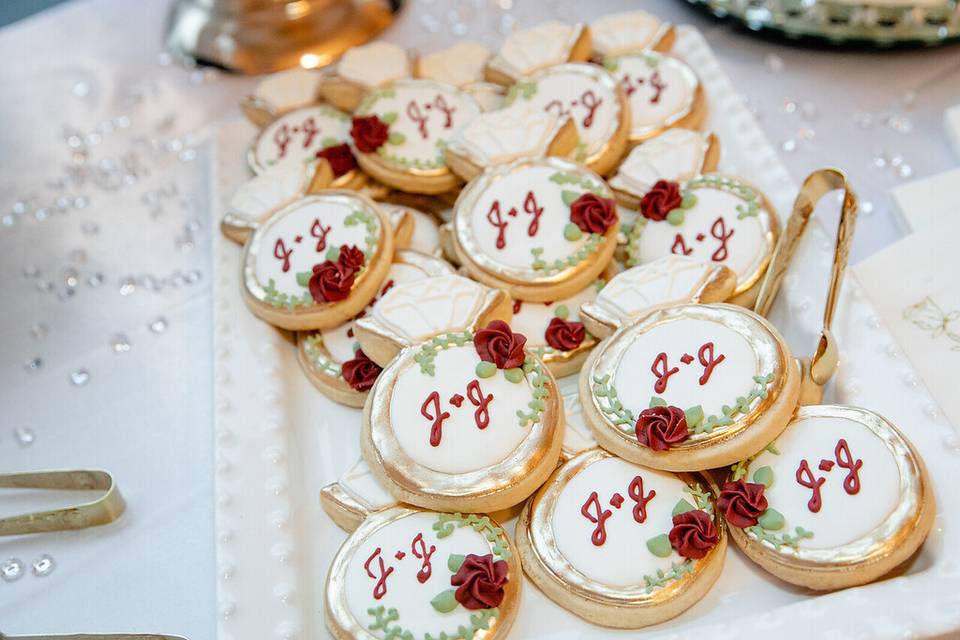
(840,499)
(526,51)
(400,133)
(332,358)
(413,229)
(630,32)
(712,218)
(592,98)
(619,544)
(462,66)
(315,262)
(690,387)
(281,92)
(364,69)
(666,281)
(406,573)
(663,92)
(466,421)
(542,230)
(506,135)
(676,155)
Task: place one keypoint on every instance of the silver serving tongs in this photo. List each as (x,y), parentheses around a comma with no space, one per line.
(95,636)
(818,369)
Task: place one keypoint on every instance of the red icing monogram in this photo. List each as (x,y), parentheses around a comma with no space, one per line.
(317,231)
(718,231)
(662,370)
(284,136)
(631,85)
(530,206)
(432,411)
(588,102)
(593,510)
(419,549)
(378,570)
(842,459)
(419,112)
(280,252)
(380,588)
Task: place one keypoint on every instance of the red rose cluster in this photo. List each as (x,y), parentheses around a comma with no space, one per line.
(340,158)
(662,427)
(742,503)
(693,534)
(592,213)
(369,133)
(663,198)
(480,581)
(332,281)
(563,335)
(498,344)
(360,372)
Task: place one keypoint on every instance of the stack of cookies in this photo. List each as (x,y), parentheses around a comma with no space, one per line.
(524,269)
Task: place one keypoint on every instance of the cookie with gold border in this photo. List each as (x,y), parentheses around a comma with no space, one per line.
(541,229)
(630,32)
(526,51)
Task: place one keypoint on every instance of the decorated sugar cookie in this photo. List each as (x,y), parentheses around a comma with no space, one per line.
(315,262)
(363,69)
(619,544)
(423,234)
(669,280)
(555,331)
(542,230)
(630,32)
(332,358)
(663,92)
(281,92)
(588,95)
(414,312)
(690,387)
(676,155)
(408,573)
(499,137)
(400,133)
(459,66)
(526,51)
(838,500)
(712,218)
(466,421)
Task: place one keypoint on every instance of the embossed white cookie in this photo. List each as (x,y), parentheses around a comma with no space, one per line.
(363,69)
(630,32)
(526,51)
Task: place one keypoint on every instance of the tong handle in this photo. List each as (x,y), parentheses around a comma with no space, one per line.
(103,510)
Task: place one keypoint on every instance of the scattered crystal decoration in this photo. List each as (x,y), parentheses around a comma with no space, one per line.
(79,377)
(43,566)
(39,331)
(11,570)
(33,364)
(120,343)
(158,325)
(24,436)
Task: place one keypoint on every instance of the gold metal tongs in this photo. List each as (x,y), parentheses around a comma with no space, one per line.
(103,510)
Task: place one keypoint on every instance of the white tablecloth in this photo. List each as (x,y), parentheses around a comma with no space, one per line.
(105,266)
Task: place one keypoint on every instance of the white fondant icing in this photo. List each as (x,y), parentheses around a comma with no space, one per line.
(269,190)
(510,191)
(730,379)
(674,155)
(295,137)
(463,446)
(618,33)
(426,233)
(429,307)
(374,64)
(290,89)
(576,436)
(498,137)
(574,90)
(623,559)
(360,481)
(458,65)
(405,592)
(298,222)
(747,248)
(418,101)
(668,280)
(660,89)
(547,44)
(842,518)
(488,95)
(533,318)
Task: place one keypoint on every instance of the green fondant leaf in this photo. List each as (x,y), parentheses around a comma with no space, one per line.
(764,476)
(389,118)
(445,602)
(514,375)
(771,520)
(396,138)
(562,312)
(485,369)
(694,416)
(689,199)
(676,217)
(333,254)
(682,507)
(303,278)
(569,196)
(454,562)
(572,232)
(657,401)
(660,545)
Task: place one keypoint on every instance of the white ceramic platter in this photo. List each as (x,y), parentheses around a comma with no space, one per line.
(278,441)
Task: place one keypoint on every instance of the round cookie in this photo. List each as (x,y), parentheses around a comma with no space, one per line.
(629,32)
(467,421)
(526,51)
(399,133)
(588,95)
(331,358)
(542,230)
(713,218)
(406,573)
(619,544)
(690,387)
(840,499)
(663,92)
(316,262)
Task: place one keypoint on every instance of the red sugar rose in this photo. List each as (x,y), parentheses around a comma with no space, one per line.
(693,534)
(563,335)
(360,372)
(340,158)
(499,345)
(479,581)
(663,198)
(351,257)
(369,133)
(592,213)
(661,427)
(741,503)
(331,281)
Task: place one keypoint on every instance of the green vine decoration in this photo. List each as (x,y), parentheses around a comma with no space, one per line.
(612,407)
(447,523)
(701,497)
(662,578)
(429,350)
(740,407)
(382,619)
(525,89)
(332,113)
(591,246)
(325,365)
(739,470)
(538,382)
(367,103)
(277,298)
(780,540)
(478,621)
(749,210)
(372,224)
(583,182)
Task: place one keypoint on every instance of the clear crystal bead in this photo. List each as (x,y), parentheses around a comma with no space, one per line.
(120,343)
(33,364)
(80,377)
(158,325)
(11,569)
(43,566)
(24,436)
